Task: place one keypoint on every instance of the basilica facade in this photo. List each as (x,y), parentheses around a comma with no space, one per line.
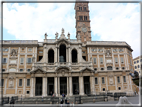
(63,65)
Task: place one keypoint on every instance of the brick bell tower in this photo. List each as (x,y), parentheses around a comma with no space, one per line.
(82,20)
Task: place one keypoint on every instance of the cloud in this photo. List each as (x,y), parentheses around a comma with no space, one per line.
(117,22)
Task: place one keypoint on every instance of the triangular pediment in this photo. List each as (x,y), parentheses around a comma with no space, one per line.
(38,71)
(62,40)
(60,69)
(87,70)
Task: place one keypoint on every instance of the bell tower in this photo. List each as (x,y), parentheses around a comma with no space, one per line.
(82,20)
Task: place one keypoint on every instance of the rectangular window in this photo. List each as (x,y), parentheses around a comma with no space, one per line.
(2,82)
(116,60)
(21,60)
(80,8)
(40,52)
(28,82)
(103,80)
(95,61)
(124,78)
(80,17)
(20,82)
(84,8)
(30,49)
(101,60)
(5,49)
(96,80)
(118,79)
(29,60)
(4,60)
(122,61)
(85,17)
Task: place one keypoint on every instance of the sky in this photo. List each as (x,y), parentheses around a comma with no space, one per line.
(109,22)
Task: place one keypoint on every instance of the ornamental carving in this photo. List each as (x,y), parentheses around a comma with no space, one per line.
(11,82)
(108,52)
(14,52)
(111,80)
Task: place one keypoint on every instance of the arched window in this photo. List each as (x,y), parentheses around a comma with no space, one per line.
(51,56)
(109,68)
(74,56)
(62,53)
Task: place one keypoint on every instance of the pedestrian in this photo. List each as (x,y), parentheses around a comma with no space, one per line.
(12,102)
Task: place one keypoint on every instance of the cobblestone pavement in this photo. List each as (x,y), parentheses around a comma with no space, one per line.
(134,100)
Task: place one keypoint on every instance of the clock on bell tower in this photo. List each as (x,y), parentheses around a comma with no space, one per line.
(82,20)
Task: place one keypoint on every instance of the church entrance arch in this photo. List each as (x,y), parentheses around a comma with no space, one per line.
(38,86)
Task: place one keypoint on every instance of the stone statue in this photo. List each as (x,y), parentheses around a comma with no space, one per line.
(11,83)
(45,35)
(13,52)
(56,35)
(62,35)
(62,31)
(68,35)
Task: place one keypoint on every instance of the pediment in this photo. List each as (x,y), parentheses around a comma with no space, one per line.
(62,69)
(38,71)
(87,70)
(63,41)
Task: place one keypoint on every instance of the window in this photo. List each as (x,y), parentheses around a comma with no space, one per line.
(40,52)
(109,68)
(120,50)
(103,80)
(21,70)
(30,49)
(114,50)
(102,68)
(2,82)
(28,82)
(28,92)
(123,68)
(83,51)
(29,60)
(21,60)
(124,78)
(20,82)
(138,66)
(85,17)
(96,80)
(80,17)
(4,60)
(22,49)
(3,70)
(80,8)
(137,61)
(95,69)
(122,60)
(119,88)
(95,62)
(5,49)
(135,67)
(94,50)
(101,60)
(116,60)
(118,79)
(103,89)
(117,68)
(28,70)
(84,8)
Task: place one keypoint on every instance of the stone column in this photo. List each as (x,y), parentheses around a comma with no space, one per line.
(98,61)
(44,86)
(55,55)
(34,81)
(58,55)
(130,83)
(81,86)
(125,61)
(24,86)
(100,84)
(32,87)
(106,83)
(69,55)
(80,54)
(26,60)
(92,84)
(88,53)
(127,81)
(67,86)
(70,82)
(45,53)
(115,82)
(55,85)
(16,86)
(104,61)
(113,61)
(5,86)
(119,61)
(8,60)
(58,86)
(122,82)
(35,54)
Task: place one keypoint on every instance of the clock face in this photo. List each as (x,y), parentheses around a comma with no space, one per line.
(84,29)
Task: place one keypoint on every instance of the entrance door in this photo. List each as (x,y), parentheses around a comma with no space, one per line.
(38,86)
(87,85)
(63,85)
(50,85)
(75,85)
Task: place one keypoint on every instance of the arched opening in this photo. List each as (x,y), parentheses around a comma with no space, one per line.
(51,56)
(109,68)
(74,56)
(62,53)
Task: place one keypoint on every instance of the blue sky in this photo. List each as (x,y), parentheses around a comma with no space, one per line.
(109,21)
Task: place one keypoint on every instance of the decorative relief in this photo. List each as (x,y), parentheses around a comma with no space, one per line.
(39,72)
(108,52)
(121,50)
(111,80)
(14,52)
(94,50)
(75,68)
(50,68)
(100,50)
(11,82)
(114,50)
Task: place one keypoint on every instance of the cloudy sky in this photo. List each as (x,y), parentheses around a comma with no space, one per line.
(109,21)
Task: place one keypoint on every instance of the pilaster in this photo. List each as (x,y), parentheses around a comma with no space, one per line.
(70,82)
(55,86)
(5,87)
(81,85)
